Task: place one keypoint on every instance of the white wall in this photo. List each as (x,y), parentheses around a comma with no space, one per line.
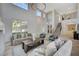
(10,12)
(1,37)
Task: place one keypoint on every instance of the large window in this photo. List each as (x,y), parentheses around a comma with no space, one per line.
(22,5)
(38,13)
(19,26)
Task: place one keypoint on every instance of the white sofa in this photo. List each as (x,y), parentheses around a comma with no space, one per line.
(64,49)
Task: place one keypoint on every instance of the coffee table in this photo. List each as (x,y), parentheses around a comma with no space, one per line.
(25,45)
(28,45)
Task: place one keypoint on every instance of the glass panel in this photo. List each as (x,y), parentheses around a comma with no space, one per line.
(22,5)
(38,13)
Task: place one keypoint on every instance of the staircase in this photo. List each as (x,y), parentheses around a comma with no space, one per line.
(58,29)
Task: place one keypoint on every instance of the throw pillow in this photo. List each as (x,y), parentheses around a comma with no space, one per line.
(50,49)
(59,43)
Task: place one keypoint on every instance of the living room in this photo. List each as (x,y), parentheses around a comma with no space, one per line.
(16,22)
